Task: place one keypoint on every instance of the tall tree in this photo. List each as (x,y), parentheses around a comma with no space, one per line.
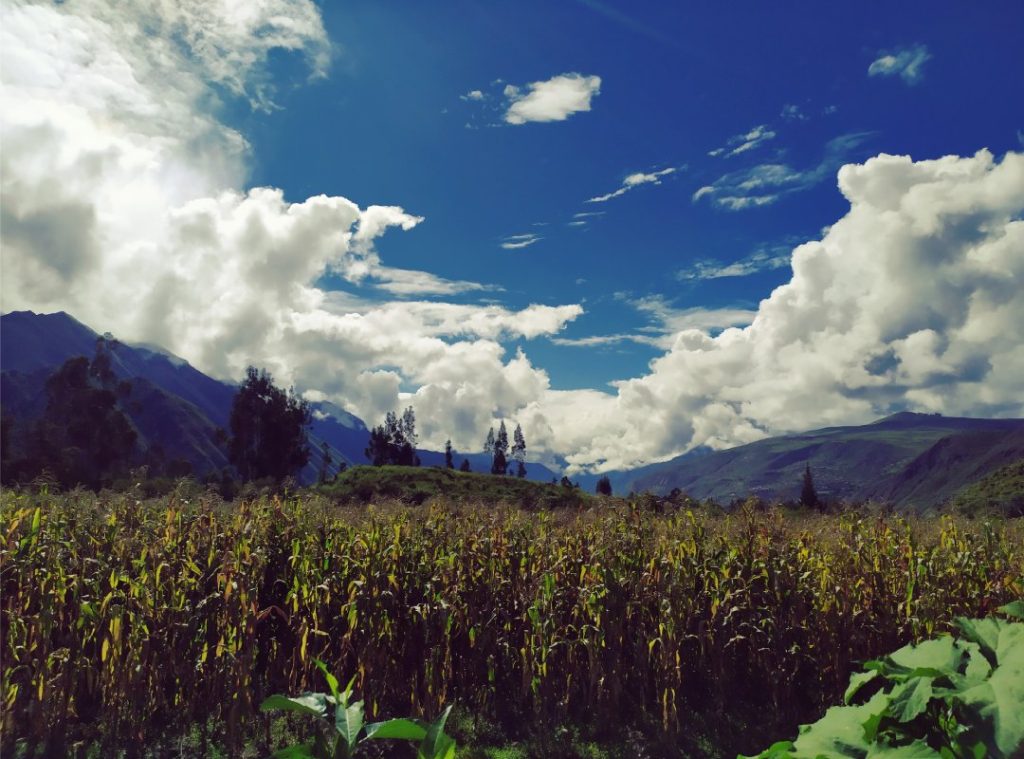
(604,486)
(394,442)
(489,442)
(499,463)
(808,495)
(268,429)
(449,462)
(84,436)
(519,451)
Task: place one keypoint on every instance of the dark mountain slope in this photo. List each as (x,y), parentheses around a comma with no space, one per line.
(848,463)
(940,472)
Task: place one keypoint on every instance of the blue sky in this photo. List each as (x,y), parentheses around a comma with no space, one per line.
(676,82)
(632,228)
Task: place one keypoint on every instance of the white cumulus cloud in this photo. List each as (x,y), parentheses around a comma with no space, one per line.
(553,100)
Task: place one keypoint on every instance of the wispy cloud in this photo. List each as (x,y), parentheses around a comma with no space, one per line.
(553,100)
(792,112)
(515,242)
(665,322)
(633,181)
(741,143)
(765,183)
(476,95)
(408,282)
(908,64)
(763,260)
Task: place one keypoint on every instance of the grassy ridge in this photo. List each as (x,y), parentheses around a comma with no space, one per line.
(416,485)
(127,623)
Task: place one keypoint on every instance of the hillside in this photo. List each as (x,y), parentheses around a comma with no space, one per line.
(419,484)
(1001,491)
(878,460)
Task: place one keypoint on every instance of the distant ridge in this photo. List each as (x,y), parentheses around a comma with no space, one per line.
(911,460)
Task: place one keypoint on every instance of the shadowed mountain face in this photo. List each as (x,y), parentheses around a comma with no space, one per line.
(914,461)
(173,404)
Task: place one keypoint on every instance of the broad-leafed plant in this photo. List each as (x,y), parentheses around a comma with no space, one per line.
(945,698)
(341,725)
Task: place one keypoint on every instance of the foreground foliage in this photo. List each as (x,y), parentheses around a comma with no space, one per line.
(128,623)
(341,725)
(947,698)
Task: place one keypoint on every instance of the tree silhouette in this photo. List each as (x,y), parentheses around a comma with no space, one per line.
(808,495)
(268,429)
(394,442)
(464,466)
(604,486)
(519,451)
(499,464)
(449,462)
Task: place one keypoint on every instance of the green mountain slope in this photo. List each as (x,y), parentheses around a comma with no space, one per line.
(1000,491)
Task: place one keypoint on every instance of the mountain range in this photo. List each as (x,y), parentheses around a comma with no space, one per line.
(913,461)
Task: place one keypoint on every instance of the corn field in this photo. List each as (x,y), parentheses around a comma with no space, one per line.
(127,622)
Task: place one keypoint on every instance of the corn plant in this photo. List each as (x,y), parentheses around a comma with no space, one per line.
(127,622)
(341,725)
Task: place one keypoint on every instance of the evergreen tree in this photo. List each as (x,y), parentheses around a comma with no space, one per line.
(499,464)
(808,495)
(489,442)
(604,486)
(519,451)
(268,429)
(406,455)
(449,462)
(464,466)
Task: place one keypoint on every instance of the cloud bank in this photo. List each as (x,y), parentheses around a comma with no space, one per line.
(913,299)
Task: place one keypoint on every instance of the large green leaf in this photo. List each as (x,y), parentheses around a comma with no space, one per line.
(1015,610)
(910,699)
(307,703)
(348,721)
(402,729)
(940,654)
(999,701)
(332,681)
(840,733)
(437,745)
(857,681)
(984,632)
(915,750)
